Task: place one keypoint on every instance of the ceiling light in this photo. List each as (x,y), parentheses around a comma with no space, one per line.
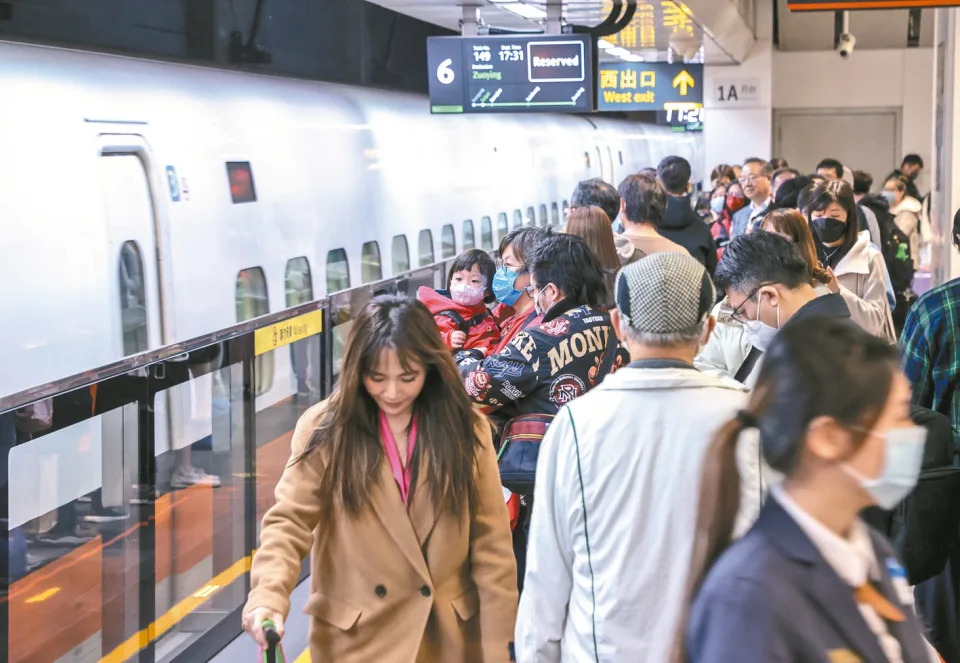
(617,51)
(632,57)
(603,43)
(526,11)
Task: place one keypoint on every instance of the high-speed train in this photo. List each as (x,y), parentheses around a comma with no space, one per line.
(144,202)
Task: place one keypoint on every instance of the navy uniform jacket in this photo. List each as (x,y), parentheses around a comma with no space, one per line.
(546,365)
(772,598)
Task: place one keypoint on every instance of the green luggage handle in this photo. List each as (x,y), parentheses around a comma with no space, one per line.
(274,652)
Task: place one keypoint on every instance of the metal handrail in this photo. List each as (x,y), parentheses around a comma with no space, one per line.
(133,362)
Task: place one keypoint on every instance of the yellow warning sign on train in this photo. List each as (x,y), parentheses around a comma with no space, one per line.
(287,332)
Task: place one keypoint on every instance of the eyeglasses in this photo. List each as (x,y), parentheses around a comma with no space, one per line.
(737,313)
(750,179)
(519,270)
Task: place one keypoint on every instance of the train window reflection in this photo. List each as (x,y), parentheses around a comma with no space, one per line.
(252,302)
(133,300)
(297,282)
(448,242)
(486,233)
(554,215)
(469,241)
(503,226)
(586,159)
(338,271)
(517,218)
(425,248)
(370,263)
(400,255)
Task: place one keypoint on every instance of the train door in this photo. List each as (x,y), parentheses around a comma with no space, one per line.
(128,207)
(131,231)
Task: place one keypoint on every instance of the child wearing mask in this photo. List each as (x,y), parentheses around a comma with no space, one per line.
(460,311)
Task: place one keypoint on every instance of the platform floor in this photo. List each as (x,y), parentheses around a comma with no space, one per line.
(244,650)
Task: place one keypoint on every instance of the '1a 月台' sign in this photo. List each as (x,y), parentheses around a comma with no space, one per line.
(641,86)
(736,92)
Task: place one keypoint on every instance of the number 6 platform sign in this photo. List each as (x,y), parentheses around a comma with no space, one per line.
(515,73)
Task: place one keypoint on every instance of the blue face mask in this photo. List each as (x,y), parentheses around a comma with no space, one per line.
(503,289)
(890,196)
(716,204)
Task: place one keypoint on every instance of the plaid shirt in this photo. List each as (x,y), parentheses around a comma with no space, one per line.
(930,349)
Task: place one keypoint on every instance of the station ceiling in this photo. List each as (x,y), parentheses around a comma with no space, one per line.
(721,27)
(712,31)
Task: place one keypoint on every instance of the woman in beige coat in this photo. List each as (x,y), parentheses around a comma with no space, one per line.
(393,483)
(859,274)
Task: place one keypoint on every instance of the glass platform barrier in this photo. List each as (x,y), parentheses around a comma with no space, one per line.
(132,494)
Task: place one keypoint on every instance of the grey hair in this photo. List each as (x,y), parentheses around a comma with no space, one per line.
(658,340)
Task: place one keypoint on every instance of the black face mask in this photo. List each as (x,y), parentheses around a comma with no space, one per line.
(828,229)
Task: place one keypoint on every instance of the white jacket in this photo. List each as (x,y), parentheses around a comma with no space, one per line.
(910,218)
(726,349)
(863,276)
(614,515)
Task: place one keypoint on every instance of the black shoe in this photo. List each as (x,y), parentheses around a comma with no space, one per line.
(52,538)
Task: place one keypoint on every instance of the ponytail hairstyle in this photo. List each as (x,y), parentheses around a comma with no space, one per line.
(815,367)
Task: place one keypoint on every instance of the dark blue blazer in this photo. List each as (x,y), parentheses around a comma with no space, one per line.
(772,597)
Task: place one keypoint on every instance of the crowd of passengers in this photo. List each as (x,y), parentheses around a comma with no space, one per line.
(717,448)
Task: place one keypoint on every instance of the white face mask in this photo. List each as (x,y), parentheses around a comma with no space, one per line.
(759,333)
(902,458)
(466,295)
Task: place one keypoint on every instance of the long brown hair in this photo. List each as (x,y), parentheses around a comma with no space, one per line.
(815,367)
(790,222)
(348,432)
(593,225)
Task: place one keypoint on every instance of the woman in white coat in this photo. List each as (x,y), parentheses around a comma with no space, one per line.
(858,267)
(906,211)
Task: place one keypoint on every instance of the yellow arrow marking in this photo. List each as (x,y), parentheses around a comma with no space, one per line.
(683,80)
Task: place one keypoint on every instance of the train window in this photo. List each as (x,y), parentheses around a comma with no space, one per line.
(370,270)
(531,219)
(240,177)
(503,226)
(425,248)
(620,152)
(469,241)
(400,254)
(586,159)
(486,233)
(338,271)
(566,208)
(448,242)
(133,300)
(554,215)
(517,218)
(543,215)
(298,284)
(251,301)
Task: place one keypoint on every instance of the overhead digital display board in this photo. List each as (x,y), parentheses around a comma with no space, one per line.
(843,5)
(649,86)
(513,73)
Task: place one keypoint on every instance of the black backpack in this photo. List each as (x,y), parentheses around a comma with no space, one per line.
(895,245)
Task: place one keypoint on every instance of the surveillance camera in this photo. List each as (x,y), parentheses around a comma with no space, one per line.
(847,42)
